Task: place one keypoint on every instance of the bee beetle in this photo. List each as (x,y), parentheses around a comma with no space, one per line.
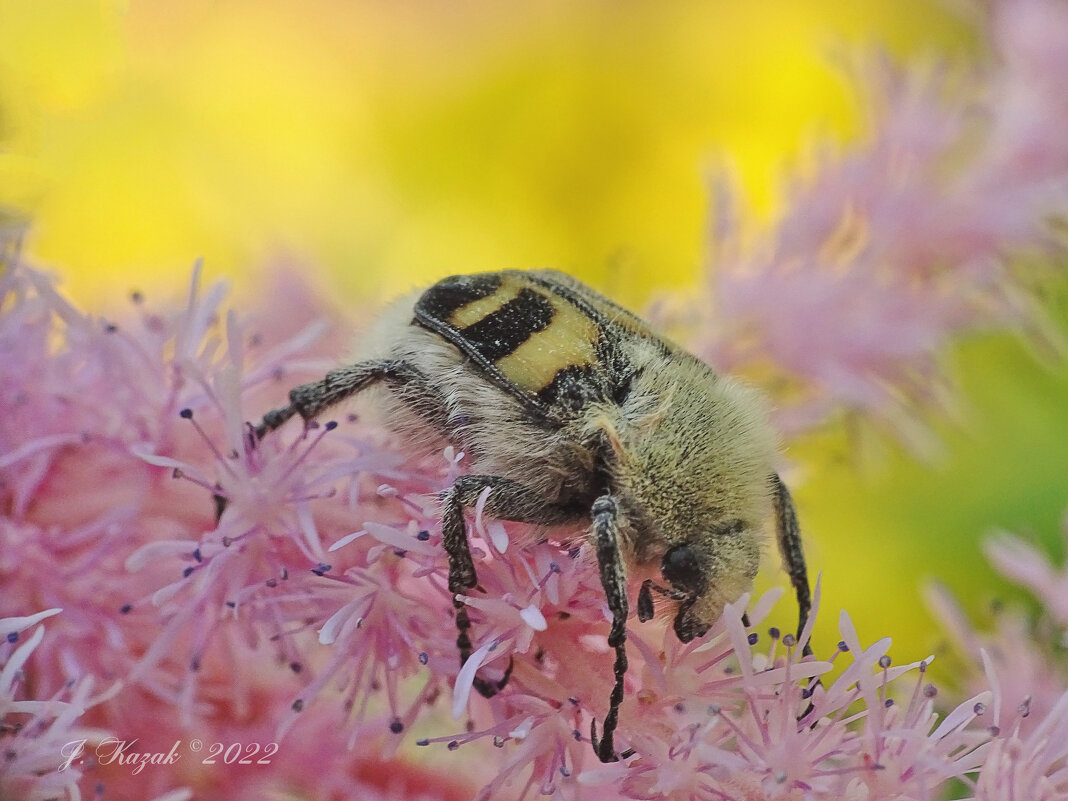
(573,410)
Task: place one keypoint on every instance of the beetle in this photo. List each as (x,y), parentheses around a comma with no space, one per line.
(574,410)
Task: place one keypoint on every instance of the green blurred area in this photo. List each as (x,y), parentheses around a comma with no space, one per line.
(386,144)
(882,522)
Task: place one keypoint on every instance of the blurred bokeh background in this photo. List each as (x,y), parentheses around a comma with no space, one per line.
(381,145)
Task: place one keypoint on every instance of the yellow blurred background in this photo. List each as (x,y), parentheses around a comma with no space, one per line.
(394,142)
(384,144)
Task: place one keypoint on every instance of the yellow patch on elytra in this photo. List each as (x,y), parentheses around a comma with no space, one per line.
(569,340)
(476,310)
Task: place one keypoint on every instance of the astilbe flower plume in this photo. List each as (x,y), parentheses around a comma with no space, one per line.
(33,732)
(886,253)
(316,607)
(290,593)
(110,447)
(1022,658)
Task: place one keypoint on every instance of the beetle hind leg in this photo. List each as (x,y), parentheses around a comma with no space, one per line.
(508,500)
(605,513)
(788,533)
(462,576)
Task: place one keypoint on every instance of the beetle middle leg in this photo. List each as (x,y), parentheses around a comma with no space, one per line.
(508,500)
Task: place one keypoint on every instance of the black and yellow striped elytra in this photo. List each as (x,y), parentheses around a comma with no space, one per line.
(534,336)
(573,410)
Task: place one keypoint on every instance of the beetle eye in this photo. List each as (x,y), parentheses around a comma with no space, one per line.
(682,569)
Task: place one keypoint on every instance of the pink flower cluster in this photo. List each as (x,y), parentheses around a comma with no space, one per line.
(34,733)
(111,455)
(886,253)
(314,615)
(272,619)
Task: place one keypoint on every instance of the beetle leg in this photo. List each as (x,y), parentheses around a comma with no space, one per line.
(645,601)
(308,400)
(507,501)
(605,514)
(789,536)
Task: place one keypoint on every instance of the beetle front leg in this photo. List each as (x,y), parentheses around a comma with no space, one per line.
(309,400)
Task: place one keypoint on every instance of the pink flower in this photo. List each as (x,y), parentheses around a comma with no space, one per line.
(294,590)
(1028,567)
(1015,658)
(38,737)
(317,602)
(1032,765)
(889,251)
